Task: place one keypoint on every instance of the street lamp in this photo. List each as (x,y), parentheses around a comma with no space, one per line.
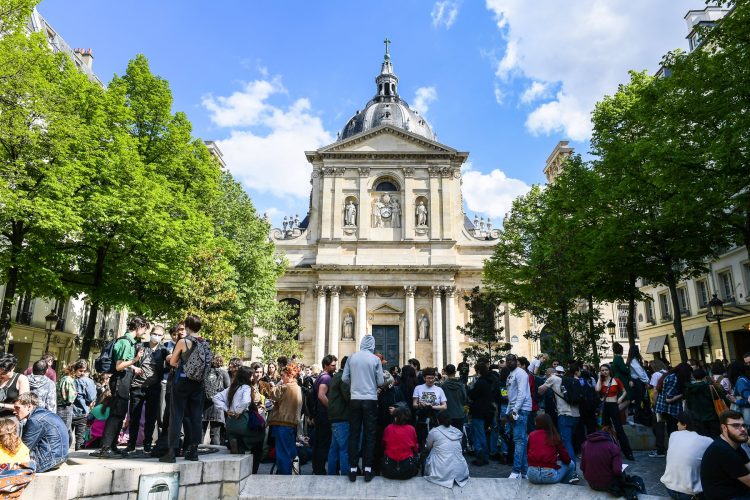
(717,311)
(50,323)
(611,327)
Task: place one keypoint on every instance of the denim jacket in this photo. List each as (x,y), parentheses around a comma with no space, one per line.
(85,395)
(46,436)
(742,391)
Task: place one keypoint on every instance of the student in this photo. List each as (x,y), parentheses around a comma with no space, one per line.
(44,433)
(400,449)
(427,399)
(549,460)
(613,393)
(445,464)
(283,421)
(17,470)
(686,448)
(724,468)
(519,407)
(338,415)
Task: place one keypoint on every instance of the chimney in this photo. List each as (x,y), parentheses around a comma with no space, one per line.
(86,56)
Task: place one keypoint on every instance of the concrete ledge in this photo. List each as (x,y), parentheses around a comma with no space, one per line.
(217,475)
(265,487)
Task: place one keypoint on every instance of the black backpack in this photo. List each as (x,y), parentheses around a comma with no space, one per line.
(104,363)
(309,400)
(214,384)
(572,391)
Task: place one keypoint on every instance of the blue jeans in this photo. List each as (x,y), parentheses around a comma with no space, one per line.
(520,460)
(545,475)
(492,445)
(286,448)
(187,410)
(480,439)
(338,453)
(567,427)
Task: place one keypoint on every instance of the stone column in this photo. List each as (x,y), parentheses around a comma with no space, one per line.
(437,327)
(361,313)
(334,329)
(410,346)
(320,327)
(451,334)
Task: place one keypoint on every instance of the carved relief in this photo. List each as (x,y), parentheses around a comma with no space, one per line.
(386,211)
(364,171)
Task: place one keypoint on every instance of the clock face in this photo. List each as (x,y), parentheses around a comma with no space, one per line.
(385,212)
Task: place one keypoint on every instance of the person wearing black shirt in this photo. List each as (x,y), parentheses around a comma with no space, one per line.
(724,473)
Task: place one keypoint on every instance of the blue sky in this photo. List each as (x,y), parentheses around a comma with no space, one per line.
(502,79)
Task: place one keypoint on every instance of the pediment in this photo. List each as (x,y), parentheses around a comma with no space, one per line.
(386,309)
(387,138)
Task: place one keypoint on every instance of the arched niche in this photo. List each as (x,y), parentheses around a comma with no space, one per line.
(351,211)
(348,323)
(421,213)
(386,202)
(424,324)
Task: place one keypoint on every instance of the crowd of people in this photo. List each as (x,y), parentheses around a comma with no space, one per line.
(551,423)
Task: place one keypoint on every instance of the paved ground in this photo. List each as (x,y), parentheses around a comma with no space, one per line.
(650,469)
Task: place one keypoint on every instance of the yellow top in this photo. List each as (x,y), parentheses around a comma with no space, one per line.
(21,455)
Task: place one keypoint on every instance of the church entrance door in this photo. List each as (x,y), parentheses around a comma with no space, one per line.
(387,343)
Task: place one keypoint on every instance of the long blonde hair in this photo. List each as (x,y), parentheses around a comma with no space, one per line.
(9,438)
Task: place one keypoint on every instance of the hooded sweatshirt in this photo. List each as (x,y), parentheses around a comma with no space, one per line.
(600,460)
(364,371)
(43,387)
(455,393)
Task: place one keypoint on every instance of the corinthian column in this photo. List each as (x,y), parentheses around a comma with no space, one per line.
(320,326)
(451,335)
(437,327)
(334,329)
(411,323)
(361,313)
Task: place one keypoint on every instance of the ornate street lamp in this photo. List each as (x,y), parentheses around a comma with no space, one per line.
(611,327)
(50,323)
(717,311)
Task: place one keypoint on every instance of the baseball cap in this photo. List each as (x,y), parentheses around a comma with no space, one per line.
(559,369)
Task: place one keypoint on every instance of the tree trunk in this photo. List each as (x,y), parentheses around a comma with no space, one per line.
(16,247)
(88,335)
(567,337)
(631,310)
(592,336)
(677,322)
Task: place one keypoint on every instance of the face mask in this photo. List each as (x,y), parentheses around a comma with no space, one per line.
(156,338)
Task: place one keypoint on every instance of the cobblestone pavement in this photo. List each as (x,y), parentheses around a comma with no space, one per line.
(650,469)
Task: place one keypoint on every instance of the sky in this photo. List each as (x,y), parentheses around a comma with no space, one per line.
(504,80)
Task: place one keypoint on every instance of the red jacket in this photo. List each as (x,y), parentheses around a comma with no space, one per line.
(400,442)
(541,454)
(600,460)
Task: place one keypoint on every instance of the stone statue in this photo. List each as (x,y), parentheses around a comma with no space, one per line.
(348,326)
(421,212)
(350,214)
(396,213)
(377,206)
(424,328)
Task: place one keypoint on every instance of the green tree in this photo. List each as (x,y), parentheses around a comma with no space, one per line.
(282,330)
(483,327)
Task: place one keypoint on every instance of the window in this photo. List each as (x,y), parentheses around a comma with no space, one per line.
(725,286)
(650,314)
(386,186)
(701,292)
(746,271)
(664,306)
(622,321)
(682,298)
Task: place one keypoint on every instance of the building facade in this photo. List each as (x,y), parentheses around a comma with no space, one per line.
(385,248)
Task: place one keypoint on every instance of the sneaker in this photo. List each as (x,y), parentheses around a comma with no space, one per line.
(656,454)
(524,476)
(368,476)
(352,475)
(109,454)
(574,479)
(146,448)
(515,475)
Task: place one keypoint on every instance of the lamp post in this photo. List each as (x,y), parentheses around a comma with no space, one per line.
(50,323)
(611,327)
(717,311)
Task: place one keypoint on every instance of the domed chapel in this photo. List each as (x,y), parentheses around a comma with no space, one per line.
(385,248)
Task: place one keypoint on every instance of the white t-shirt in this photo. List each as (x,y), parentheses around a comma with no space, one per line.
(534,365)
(684,455)
(432,396)
(656,377)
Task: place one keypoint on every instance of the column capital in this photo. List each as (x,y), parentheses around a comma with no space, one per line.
(361,290)
(450,291)
(364,171)
(436,290)
(319,290)
(410,290)
(334,289)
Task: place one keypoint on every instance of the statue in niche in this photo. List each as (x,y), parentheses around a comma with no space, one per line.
(421,213)
(350,214)
(377,206)
(386,211)
(348,326)
(424,328)
(396,213)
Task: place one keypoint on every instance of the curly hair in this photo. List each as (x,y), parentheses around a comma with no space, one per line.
(8,362)
(291,369)
(217,362)
(9,438)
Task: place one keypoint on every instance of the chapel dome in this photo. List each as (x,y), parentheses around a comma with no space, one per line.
(387,108)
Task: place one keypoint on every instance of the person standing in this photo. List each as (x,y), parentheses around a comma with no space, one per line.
(612,393)
(145,390)
(538,360)
(482,412)
(621,372)
(338,416)
(125,358)
(699,398)
(364,374)
(519,407)
(455,396)
(49,372)
(85,396)
(217,380)
(66,396)
(321,388)
(724,468)
(285,417)
(427,399)
(176,333)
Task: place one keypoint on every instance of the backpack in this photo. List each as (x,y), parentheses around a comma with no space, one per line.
(310,400)
(572,391)
(199,360)
(104,363)
(214,384)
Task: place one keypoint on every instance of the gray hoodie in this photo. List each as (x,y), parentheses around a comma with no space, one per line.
(364,371)
(45,389)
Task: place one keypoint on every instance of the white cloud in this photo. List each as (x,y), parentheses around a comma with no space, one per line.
(585,49)
(535,91)
(265,146)
(491,194)
(423,97)
(444,13)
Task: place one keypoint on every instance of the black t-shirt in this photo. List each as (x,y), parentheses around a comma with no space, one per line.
(721,467)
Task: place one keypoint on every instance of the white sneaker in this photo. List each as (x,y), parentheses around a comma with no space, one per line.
(524,476)
(515,475)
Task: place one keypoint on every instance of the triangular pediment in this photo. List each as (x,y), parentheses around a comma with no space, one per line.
(386,309)
(387,138)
